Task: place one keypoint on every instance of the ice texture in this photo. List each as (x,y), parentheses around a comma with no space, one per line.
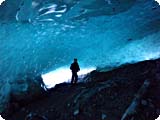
(48,35)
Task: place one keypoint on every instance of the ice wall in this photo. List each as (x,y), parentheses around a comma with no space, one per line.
(98,32)
(24,14)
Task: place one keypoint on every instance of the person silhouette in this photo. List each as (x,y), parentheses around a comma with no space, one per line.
(74,68)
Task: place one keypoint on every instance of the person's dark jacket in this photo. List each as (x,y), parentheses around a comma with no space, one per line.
(75,67)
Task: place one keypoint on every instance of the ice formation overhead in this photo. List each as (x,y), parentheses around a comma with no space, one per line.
(48,35)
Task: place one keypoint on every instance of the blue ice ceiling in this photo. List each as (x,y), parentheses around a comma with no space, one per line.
(38,36)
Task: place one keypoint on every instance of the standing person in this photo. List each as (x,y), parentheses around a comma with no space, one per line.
(74,68)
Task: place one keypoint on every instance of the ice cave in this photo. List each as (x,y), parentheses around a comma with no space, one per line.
(41,38)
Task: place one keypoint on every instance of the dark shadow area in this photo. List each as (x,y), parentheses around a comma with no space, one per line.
(103,95)
(104,8)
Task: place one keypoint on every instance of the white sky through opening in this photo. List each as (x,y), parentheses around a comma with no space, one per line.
(61,75)
(1,118)
(0,4)
(158,118)
(158,1)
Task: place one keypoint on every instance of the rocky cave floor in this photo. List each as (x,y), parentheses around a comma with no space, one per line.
(129,92)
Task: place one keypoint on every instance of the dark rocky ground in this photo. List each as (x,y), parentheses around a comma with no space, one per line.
(129,92)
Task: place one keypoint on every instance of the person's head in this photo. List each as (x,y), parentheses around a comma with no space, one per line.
(75,59)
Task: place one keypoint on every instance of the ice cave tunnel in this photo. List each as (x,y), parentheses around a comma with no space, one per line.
(42,38)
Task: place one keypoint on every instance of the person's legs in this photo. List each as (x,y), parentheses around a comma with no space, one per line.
(72,79)
(76,78)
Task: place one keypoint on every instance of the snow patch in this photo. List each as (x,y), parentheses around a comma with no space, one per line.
(62,74)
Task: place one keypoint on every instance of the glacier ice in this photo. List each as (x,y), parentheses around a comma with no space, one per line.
(25,11)
(49,35)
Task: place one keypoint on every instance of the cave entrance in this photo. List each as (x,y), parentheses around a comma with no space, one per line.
(61,75)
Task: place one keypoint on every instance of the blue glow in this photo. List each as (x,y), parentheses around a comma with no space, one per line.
(39,36)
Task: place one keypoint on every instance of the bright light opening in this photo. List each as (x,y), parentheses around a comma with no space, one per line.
(158,1)
(62,75)
(1,1)
(150,56)
(158,118)
(1,118)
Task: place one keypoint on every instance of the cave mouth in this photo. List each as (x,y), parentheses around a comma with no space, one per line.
(63,74)
(158,1)
(1,1)
(1,118)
